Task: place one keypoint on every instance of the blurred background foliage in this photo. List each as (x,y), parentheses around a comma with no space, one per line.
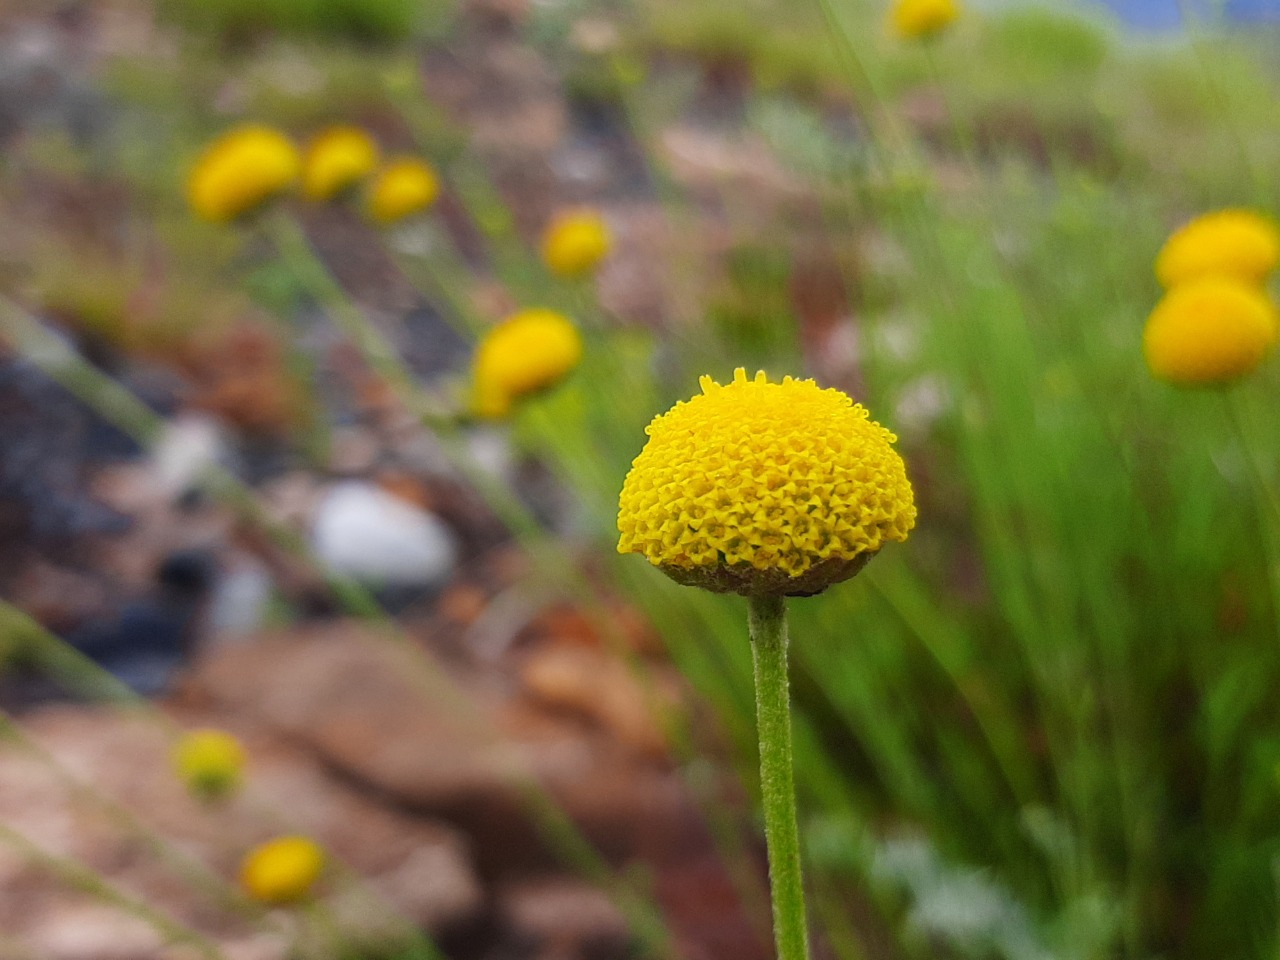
(1048,725)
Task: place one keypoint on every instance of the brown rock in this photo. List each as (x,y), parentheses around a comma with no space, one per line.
(391,717)
(182,857)
(560,917)
(626,701)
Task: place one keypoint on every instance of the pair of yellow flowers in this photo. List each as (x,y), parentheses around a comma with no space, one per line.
(1216,323)
(535,349)
(283,870)
(251,164)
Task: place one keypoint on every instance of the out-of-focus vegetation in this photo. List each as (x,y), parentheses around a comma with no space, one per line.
(366,21)
(1047,726)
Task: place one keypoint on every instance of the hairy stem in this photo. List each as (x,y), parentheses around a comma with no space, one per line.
(767,619)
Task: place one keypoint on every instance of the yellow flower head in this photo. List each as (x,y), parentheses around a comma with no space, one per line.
(209,762)
(283,870)
(403,187)
(1209,331)
(336,160)
(241,170)
(1228,243)
(918,19)
(574,243)
(764,488)
(529,351)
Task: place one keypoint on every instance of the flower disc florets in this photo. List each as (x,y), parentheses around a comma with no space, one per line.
(1209,332)
(1226,243)
(764,488)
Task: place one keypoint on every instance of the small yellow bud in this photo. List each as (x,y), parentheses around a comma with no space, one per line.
(527,352)
(403,187)
(209,762)
(574,243)
(240,171)
(336,160)
(1228,243)
(919,19)
(1209,332)
(283,870)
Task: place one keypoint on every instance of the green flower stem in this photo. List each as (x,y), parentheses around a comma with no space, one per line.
(767,620)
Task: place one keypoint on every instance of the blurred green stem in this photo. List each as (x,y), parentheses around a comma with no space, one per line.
(767,621)
(1267,501)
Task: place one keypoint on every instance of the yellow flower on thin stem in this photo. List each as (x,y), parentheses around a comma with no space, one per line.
(209,762)
(529,351)
(240,171)
(758,487)
(402,188)
(920,19)
(336,160)
(769,490)
(574,243)
(283,870)
(1228,243)
(1209,332)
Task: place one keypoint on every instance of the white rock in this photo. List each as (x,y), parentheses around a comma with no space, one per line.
(363,532)
(190,445)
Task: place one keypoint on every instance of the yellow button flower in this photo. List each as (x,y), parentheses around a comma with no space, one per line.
(1230,243)
(1209,331)
(241,170)
(918,19)
(764,488)
(283,870)
(529,351)
(574,243)
(403,188)
(209,762)
(336,160)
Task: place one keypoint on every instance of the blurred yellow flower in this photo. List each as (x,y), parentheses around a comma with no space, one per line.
(1230,243)
(917,19)
(1209,331)
(529,351)
(764,488)
(283,870)
(574,243)
(336,160)
(209,762)
(241,170)
(403,187)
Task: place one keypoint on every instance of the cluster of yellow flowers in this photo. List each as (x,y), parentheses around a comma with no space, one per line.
(1216,322)
(284,870)
(252,164)
(921,19)
(765,488)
